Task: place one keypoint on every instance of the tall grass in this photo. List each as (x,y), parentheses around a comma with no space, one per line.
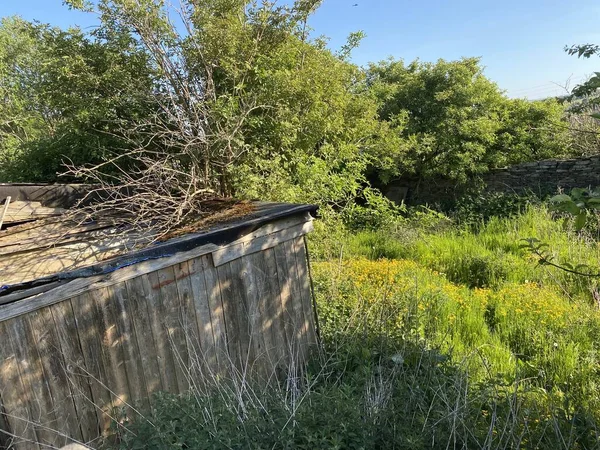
(493,254)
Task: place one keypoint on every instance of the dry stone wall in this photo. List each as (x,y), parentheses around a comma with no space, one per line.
(542,178)
(546,176)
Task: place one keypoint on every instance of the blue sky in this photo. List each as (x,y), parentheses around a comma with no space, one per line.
(520,42)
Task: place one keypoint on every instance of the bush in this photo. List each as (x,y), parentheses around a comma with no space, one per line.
(477,208)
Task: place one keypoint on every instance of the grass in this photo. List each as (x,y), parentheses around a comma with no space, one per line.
(434,337)
(492,255)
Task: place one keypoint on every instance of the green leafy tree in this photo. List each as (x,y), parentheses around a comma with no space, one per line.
(450,112)
(586,92)
(66,94)
(530,131)
(456,122)
(249,103)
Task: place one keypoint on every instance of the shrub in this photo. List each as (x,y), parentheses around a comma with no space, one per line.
(477,208)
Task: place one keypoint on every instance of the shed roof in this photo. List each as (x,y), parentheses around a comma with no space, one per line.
(54,250)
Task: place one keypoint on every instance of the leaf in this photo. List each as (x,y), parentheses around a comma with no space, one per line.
(578,193)
(594,203)
(580,221)
(570,207)
(560,198)
(565,224)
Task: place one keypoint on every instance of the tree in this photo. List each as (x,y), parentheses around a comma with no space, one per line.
(587,92)
(66,95)
(247,105)
(529,130)
(457,123)
(450,110)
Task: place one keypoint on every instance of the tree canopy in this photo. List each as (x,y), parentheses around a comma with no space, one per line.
(238,96)
(457,122)
(65,94)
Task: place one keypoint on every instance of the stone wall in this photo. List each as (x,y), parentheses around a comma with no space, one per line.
(542,178)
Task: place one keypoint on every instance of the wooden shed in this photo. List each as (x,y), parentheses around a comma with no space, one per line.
(94,319)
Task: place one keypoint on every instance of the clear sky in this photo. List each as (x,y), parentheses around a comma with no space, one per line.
(520,42)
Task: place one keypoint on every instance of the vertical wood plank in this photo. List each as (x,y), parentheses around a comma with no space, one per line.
(263,300)
(189,323)
(13,392)
(216,313)
(165,359)
(116,374)
(32,374)
(75,368)
(93,371)
(307,300)
(300,327)
(242,311)
(52,360)
(285,285)
(274,308)
(172,321)
(253,292)
(208,352)
(230,315)
(138,292)
(138,394)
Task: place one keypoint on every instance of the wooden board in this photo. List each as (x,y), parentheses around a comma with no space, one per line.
(157,313)
(213,293)
(46,340)
(274,310)
(14,393)
(138,291)
(239,299)
(132,361)
(305,290)
(21,211)
(173,323)
(205,358)
(231,317)
(252,291)
(260,243)
(300,329)
(112,352)
(75,368)
(288,316)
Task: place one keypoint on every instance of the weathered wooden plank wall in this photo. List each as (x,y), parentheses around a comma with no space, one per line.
(71,366)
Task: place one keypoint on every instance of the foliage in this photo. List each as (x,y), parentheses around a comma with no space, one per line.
(586,91)
(66,93)
(273,114)
(530,131)
(372,213)
(456,122)
(584,130)
(580,204)
(477,207)
(492,254)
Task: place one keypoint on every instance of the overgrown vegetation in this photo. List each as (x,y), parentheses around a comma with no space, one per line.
(274,114)
(435,336)
(438,332)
